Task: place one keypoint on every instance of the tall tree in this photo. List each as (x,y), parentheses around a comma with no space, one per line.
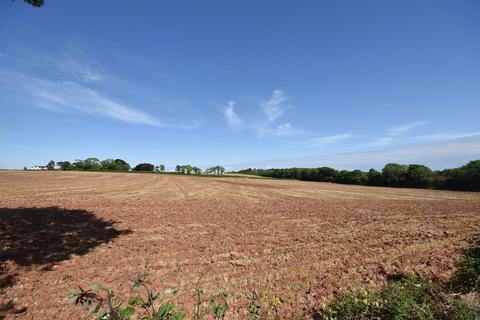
(51,165)
(394,174)
(197,170)
(418,176)
(375,177)
(64,165)
(144,167)
(122,165)
(188,169)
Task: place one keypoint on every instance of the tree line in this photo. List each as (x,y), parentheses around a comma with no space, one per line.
(465,178)
(94,164)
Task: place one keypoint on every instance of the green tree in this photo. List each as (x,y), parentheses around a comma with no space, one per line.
(359,177)
(188,169)
(121,165)
(374,177)
(51,165)
(64,165)
(144,167)
(394,174)
(162,168)
(466,177)
(216,169)
(325,174)
(79,164)
(92,163)
(178,168)
(108,164)
(197,170)
(418,176)
(35,3)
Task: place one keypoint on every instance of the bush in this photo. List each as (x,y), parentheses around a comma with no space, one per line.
(411,297)
(144,167)
(407,298)
(462,310)
(102,303)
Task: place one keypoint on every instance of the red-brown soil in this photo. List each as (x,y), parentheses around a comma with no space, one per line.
(299,241)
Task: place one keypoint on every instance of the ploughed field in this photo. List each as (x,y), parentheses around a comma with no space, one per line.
(298,241)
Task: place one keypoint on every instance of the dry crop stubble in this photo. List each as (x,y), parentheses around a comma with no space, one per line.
(297,240)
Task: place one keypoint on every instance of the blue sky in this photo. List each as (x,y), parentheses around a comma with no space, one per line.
(349,84)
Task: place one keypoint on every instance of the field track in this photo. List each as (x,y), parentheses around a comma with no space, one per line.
(298,240)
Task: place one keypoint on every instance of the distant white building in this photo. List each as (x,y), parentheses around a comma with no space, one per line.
(37,168)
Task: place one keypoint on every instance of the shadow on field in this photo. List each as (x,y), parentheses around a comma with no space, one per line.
(46,236)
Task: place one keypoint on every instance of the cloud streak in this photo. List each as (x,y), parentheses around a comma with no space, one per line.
(84,70)
(405,127)
(265,126)
(282,130)
(450,136)
(68,96)
(326,140)
(273,109)
(435,155)
(394,132)
(275,106)
(382,141)
(233,119)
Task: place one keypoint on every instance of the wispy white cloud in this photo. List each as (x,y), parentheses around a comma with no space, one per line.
(275,106)
(392,133)
(282,130)
(450,136)
(234,121)
(273,109)
(264,125)
(382,141)
(81,68)
(65,96)
(405,127)
(321,141)
(285,129)
(436,155)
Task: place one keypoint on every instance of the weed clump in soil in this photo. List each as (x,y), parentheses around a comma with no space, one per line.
(412,297)
(407,296)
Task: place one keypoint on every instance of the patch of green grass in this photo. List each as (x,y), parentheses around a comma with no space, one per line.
(411,297)
(360,305)
(467,277)
(406,298)
(462,310)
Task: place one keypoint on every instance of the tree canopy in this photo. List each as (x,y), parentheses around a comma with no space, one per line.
(466,177)
(35,3)
(144,167)
(51,165)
